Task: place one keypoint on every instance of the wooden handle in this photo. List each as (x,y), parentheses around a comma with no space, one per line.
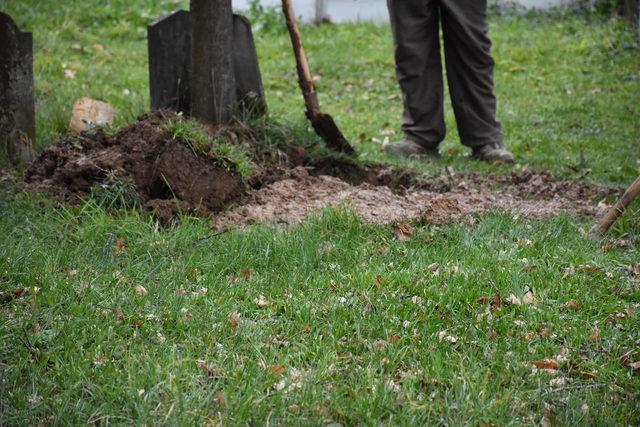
(305,80)
(614,213)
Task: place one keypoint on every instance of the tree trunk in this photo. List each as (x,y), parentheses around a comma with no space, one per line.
(213,91)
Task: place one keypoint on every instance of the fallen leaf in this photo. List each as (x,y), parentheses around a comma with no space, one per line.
(234,319)
(98,47)
(546,364)
(514,299)
(141,290)
(529,298)
(120,247)
(634,365)
(277,370)
(209,369)
(568,271)
(497,302)
(70,74)
(379,345)
(161,338)
(394,339)
(634,269)
(402,232)
(72,274)
(247,273)
(262,302)
(443,336)
(220,399)
(482,300)
(594,335)
(572,305)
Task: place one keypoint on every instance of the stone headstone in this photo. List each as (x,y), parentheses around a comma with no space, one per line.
(17,97)
(169,45)
(249,89)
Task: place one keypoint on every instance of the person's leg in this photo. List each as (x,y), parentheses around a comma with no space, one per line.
(467,50)
(415,26)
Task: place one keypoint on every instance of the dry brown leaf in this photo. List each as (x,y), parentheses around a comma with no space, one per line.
(379,345)
(546,364)
(262,302)
(394,339)
(234,319)
(482,300)
(120,246)
(98,47)
(497,302)
(220,399)
(277,370)
(572,305)
(594,335)
(141,290)
(634,365)
(247,273)
(209,369)
(402,231)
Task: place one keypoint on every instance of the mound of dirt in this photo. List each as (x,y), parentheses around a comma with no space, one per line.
(162,170)
(168,177)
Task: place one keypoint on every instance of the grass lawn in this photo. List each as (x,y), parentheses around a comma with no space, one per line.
(111,319)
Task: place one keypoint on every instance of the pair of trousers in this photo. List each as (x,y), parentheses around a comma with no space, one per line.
(467,49)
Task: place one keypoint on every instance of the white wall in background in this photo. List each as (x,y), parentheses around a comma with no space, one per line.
(357,10)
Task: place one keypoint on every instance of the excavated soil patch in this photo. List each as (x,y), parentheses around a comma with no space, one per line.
(169,176)
(164,172)
(436,200)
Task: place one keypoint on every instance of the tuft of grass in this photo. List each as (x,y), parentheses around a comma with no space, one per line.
(229,155)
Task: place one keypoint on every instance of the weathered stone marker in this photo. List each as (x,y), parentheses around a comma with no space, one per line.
(169,41)
(169,44)
(17,98)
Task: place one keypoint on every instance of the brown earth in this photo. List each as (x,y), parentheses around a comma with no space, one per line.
(169,177)
(161,169)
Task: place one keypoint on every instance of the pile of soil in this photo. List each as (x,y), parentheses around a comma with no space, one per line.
(162,170)
(168,176)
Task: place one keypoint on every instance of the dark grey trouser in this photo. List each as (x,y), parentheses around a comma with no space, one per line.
(415,25)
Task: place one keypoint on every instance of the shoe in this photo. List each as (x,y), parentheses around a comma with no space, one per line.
(408,148)
(495,152)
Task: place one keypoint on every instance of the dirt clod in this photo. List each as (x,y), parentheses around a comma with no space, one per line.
(161,169)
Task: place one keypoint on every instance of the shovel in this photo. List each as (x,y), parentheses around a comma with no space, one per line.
(322,123)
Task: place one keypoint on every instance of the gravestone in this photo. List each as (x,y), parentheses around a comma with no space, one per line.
(17,98)
(169,45)
(249,89)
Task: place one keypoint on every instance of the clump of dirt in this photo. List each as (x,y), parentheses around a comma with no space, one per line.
(166,174)
(169,177)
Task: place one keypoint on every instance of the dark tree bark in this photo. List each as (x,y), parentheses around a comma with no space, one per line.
(213,92)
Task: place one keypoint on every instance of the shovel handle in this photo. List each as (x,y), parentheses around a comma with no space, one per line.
(304,73)
(616,210)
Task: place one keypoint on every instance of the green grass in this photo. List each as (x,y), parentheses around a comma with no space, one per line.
(354,317)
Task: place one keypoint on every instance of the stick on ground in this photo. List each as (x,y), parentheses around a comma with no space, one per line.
(322,123)
(616,210)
